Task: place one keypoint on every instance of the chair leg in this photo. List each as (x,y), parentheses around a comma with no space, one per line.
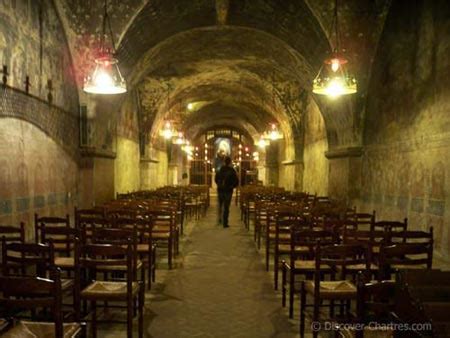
(275,270)
(169,251)
(94,319)
(291,295)
(141,312)
(267,254)
(302,309)
(283,283)
(154,266)
(130,313)
(315,316)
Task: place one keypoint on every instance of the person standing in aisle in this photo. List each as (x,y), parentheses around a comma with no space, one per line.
(226,180)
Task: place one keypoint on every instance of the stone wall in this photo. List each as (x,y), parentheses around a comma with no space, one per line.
(407,139)
(32,42)
(36,174)
(39,162)
(315,176)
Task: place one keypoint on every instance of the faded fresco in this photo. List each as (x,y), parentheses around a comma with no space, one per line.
(407,144)
(32,43)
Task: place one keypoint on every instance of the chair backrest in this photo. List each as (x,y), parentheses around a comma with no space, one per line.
(13,233)
(87,224)
(118,236)
(93,258)
(41,222)
(31,293)
(62,238)
(372,239)
(308,238)
(375,301)
(411,236)
(27,259)
(390,225)
(339,256)
(364,220)
(404,256)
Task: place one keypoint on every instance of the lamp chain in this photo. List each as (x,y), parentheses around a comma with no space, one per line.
(107,24)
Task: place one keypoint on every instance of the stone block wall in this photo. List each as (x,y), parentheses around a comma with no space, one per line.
(405,163)
(39,162)
(36,175)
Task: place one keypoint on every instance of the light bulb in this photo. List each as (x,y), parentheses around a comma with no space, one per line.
(335,64)
(335,87)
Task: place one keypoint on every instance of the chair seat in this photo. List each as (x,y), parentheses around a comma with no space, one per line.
(119,267)
(108,290)
(309,265)
(287,248)
(160,235)
(360,267)
(62,246)
(25,329)
(333,289)
(65,262)
(408,267)
(67,284)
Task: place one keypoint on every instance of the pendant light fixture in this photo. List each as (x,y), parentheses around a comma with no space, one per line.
(272,133)
(333,79)
(106,77)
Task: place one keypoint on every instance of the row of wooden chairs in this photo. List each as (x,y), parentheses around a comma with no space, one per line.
(92,261)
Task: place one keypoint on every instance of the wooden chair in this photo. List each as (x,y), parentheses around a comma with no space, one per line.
(32,260)
(63,240)
(302,259)
(41,222)
(390,225)
(374,305)
(120,237)
(364,221)
(27,259)
(146,248)
(337,257)
(410,236)
(33,293)
(91,258)
(404,256)
(13,233)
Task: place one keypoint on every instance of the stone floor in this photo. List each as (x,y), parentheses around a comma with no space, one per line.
(218,288)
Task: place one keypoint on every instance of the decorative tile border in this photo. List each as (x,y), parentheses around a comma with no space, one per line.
(59,124)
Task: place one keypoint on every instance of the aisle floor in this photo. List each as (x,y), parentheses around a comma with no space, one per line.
(218,288)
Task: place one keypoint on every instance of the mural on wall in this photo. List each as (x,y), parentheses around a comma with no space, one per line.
(40,56)
(36,175)
(406,136)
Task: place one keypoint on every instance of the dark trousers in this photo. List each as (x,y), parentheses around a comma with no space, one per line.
(224,206)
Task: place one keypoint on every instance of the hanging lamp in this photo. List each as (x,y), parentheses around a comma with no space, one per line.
(272,133)
(106,77)
(333,79)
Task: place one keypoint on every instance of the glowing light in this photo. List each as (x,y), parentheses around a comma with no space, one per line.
(262,143)
(273,133)
(190,106)
(106,77)
(180,140)
(335,64)
(168,132)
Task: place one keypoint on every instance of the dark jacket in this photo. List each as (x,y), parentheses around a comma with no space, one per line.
(226,179)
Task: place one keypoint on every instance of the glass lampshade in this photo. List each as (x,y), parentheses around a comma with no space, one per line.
(273,133)
(334,80)
(106,77)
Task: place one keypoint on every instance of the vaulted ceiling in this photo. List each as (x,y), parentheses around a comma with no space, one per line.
(245,62)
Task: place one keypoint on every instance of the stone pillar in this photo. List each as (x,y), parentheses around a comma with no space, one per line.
(344,181)
(96,177)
